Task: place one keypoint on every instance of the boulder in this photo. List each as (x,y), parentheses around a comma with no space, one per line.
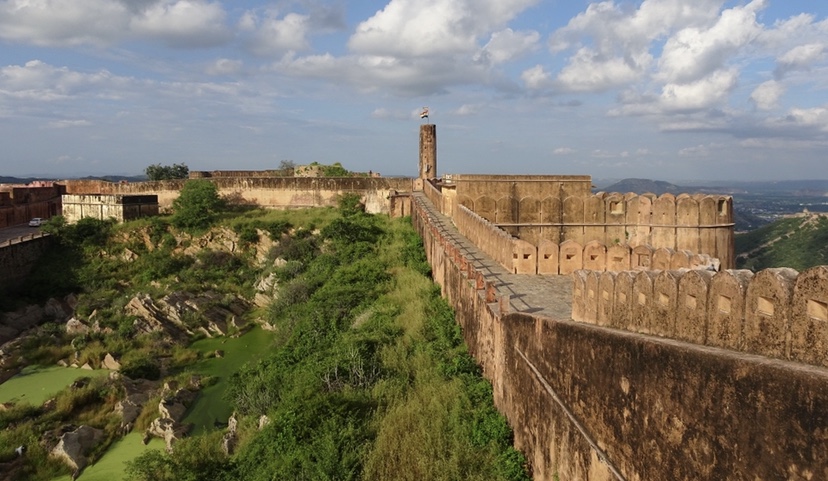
(109,362)
(129,409)
(74,446)
(75,327)
(57,310)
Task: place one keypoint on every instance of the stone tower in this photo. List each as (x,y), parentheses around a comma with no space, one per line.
(428,151)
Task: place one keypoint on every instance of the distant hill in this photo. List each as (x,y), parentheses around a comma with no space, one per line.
(799,242)
(642,186)
(109,178)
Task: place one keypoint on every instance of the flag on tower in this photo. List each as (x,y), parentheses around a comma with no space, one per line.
(424,113)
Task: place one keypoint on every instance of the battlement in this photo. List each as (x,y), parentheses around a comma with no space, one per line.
(778,313)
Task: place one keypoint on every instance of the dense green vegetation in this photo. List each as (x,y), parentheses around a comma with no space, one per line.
(797,242)
(368,377)
(167,172)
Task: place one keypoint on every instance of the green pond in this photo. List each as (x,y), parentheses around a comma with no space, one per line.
(210,406)
(37,384)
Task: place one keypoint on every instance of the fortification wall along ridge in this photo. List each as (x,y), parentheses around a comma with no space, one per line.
(551,258)
(273,192)
(591,402)
(699,224)
(778,313)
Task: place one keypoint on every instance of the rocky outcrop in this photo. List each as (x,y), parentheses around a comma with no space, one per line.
(230,438)
(74,447)
(109,362)
(76,327)
(171,409)
(181,314)
(166,429)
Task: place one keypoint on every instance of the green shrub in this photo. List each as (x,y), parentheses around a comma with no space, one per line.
(141,365)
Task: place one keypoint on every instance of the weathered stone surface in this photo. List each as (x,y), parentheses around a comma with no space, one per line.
(22,319)
(168,430)
(74,446)
(75,326)
(109,362)
(809,317)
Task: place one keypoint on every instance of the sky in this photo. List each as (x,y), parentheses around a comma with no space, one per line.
(663,89)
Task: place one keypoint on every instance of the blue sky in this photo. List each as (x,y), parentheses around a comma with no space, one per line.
(662,89)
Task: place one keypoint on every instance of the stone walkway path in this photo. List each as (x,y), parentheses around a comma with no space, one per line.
(549,296)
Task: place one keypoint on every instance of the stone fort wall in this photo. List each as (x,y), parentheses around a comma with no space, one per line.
(551,256)
(592,402)
(18,256)
(778,313)
(380,195)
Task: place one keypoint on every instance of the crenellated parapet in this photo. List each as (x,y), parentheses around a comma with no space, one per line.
(699,224)
(778,313)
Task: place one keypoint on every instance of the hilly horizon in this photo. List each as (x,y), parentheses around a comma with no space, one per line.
(799,242)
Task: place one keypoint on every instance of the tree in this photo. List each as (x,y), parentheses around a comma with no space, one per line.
(197,206)
(286,168)
(167,172)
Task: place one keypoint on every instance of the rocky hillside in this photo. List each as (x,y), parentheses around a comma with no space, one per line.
(799,242)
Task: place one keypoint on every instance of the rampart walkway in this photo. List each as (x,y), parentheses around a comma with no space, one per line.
(549,296)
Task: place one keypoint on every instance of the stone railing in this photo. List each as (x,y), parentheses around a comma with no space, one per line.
(779,313)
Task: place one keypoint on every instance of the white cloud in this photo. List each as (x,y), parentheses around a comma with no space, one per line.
(695,151)
(536,78)
(224,66)
(589,71)
(507,44)
(183,23)
(612,43)
(701,94)
(63,22)
(466,110)
(693,53)
(814,117)
(418,28)
(65,124)
(277,36)
(801,57)
(766,96)
(563,151)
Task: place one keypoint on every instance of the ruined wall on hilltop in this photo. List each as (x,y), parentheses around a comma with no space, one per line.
(587,401)
(270,192)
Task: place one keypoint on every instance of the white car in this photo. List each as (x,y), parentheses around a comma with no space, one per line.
(36,222)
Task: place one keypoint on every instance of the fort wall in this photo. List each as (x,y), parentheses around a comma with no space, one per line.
(121,207)
(266,192)
(700,224)
(18,257)
(596,401)
(20,204)
(777,313)
(551,257)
